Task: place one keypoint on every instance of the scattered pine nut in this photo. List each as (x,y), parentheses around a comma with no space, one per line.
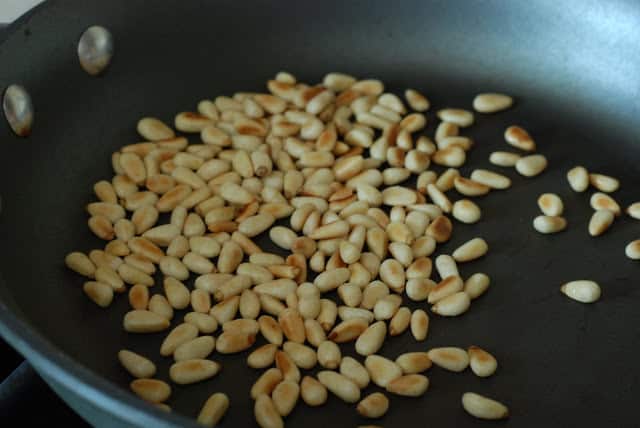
(137,365)
(491,102)
(482,363)
(471,250)
(449,358)
(374,405)
(213,409)
(505,159)
(550,204)
(532,165)
(604,183)
(546,224)
(582,290)
(578,178)
(519,138)
(151,390)
(602,201)
(600,221)
(482,407)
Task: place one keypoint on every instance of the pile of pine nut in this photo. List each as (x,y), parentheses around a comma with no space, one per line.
(329,161)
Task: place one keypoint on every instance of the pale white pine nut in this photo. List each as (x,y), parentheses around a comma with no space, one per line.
(142,321)
(343,387)
(578,178)
(550,204)
(355,371)
(469,187)
(482,407)
(439,198)
(418,289)
(382,370)
(416,100)
(632,250)
(546,224)
(604,183)
(471,250)
(414,362)
(446,180)
(374,405)
(338,82)
(313,393)
(633,210)
(329,355)
(505,159)
(582,290)
(460,117)
(453,305)
(449,285)
(266,414)
(419,324)
(452,156)
(600,221)
(198,348)
(466,211)
(532,165)
(476,285)
(371,340)
(491,179)
(446,266)
(81,264)
(491,102)
(601,201)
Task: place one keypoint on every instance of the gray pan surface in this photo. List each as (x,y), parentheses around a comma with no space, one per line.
(574,68)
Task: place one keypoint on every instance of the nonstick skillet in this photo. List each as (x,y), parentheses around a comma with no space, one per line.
(574,69)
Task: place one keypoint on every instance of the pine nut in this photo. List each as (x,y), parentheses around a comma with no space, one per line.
(633,210)
(144,218)
(132,276)
(139,297)
(414,362)
(313,393)
(81,264)
(400,321)
(285,396)
(133,167)
(482,363)
(392,273)
(99,292)
(173,267)
(532,165)
(263,356)
(632,250)
(604,183)
(550,204)
(452,156)
(141,263)
(213,409)
(382,370)
(151,390)
(519,138)
(374,405)
(285,364)
(423,246)
(469,187)
(440,229)
(601,201)
(449,358)
(582,290)
(270,329)
(439,198)
(183,333)
(482,407)
(231,342)
(419,324)
(137,365)
(340,385)
(416,100)
(371,340)
(448,286)
(453,305)
(545,224)
(101,227)
(338,82)
(411,385)
(348,330)
(505,159)
(329,355)
(600,221)
(206,324)
(225,310)
(446,266)
(491,179)
(418,289)
(198,348)
(578,178)
(241,325)
(356,372)
(117,248)
(476,285)
(192,371)
(266,414)
(105,192)
(491,102)
(142,321)
(471,250)
(466,211)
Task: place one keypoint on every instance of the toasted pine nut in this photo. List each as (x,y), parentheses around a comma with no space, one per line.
(330,280)
(241,325)
(414,362)
(400,321)
(206,324)
(392,273)
(285,396)
(356,372)
(315,333)
(423,246)
(545,224)
(532,165)
(225,310)
(449,358)
(452,156)
(230,342)
(99,292)
(466,211)
(191,371)
(382,370)
(142,321)
(81,264)
(313,393)
(198,348)
(453,305)
(460,117)
(133,167)
(263,356)
(582,290)
(285,364)
(482,407)
(101,227)
(151,390)
(482,363)
(270,329)
(139,297)
(418,289)
(179,247)
(117,248)
(374,405)
(183,333)
(131,275)
(348,330)
(213,409)
(105,192)
(266,382)
(550,204)
(411,385)
(419,324)
(450,285)
(292,325)
(144,218)
(343,387)
(632,250)
(469,187)
(578,178)
(446,266)
(266,414)
(601,201)
(600,221)
(519,138)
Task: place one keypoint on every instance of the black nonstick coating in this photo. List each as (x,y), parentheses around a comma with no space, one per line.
(573,67)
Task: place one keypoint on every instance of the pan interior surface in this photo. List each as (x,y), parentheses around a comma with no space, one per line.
(573,70)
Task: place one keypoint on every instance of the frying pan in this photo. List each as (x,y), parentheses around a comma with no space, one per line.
(574,68)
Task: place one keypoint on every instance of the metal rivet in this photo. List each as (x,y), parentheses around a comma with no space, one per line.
(18,110)
(95,49)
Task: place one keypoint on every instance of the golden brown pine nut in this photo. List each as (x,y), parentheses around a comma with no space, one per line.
(482,363)
(81,264)
(400,321)
(213,409)
(313,393)
(449,358)
(601,201)
(519,138)
(532,165)
(482,407)
(382,370)
(374,405)
(142,321)
(453,305)
(414,362)
(151,390)
(139,297)
(371,340)
(411,385)
(233,342)
(419,324)
(137,365)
